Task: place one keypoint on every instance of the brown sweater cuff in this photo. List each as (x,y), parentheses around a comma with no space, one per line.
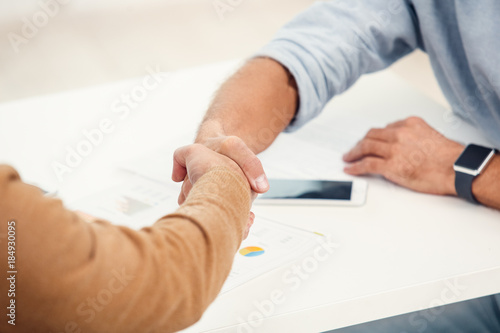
(221,187)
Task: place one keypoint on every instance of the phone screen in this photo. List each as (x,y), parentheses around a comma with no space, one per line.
(308,189)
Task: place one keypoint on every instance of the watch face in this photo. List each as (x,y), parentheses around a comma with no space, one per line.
(473,157)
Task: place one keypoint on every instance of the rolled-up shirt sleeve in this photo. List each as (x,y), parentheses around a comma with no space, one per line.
(330,45)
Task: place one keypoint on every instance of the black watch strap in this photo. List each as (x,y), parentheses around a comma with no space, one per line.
(463,185)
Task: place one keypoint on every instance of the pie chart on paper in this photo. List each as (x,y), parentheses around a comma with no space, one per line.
(251,251)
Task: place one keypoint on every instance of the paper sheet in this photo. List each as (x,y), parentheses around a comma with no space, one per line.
(135,204)
(270,245)
(155,165)
(290,157)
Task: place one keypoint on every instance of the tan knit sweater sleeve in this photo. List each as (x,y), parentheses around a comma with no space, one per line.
(74,276)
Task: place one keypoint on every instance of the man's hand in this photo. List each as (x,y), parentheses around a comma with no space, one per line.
(193,161)
(243,157)
(409,153)
(236,149)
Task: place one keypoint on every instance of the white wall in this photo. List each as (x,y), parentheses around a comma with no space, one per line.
(88,42)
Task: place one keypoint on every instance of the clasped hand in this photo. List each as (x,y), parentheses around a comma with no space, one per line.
(193,161)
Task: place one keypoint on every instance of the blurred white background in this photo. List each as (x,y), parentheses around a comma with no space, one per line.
(80,43)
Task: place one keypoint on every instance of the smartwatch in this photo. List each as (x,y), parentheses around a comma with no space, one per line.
(468,166)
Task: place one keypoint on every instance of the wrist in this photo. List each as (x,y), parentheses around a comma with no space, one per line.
(454,154)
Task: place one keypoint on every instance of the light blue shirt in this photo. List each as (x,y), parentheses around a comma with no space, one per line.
(331,44)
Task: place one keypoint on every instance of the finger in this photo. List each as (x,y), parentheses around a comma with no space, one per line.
(410,121)
(368,165)
(238,151)
(381,134)
(181,198)
(396,124)
(251,218)
(253,196)
(179,170)
(368,147)
(186,187)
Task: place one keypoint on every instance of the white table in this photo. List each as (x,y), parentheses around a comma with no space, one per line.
(400,252)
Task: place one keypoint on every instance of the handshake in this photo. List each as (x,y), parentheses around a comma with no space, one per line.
(193,161)
(408,152)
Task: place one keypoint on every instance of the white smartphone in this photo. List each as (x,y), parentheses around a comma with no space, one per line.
(314,192)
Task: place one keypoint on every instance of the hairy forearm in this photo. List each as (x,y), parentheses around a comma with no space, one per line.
(255,104)
(486,187)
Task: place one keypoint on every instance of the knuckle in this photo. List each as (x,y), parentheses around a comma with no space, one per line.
(372,132)
(370,164)
(230,143)
(401,134)
(193,148)
(394,150)
(179,150)
(251,163)
(365,147)
(413,120)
